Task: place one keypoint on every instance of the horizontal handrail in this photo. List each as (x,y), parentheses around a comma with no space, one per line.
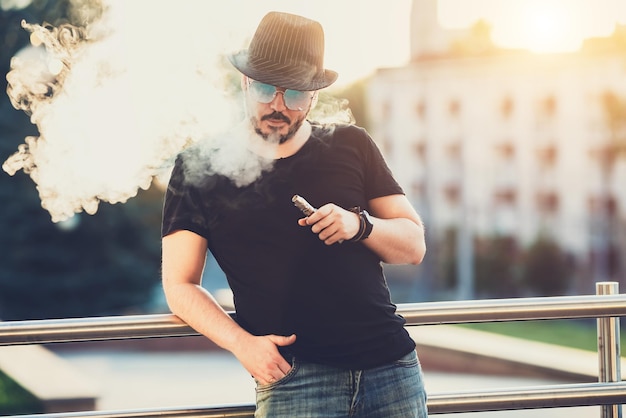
(546,396)
(93,329)
(228,411)
(514,309)
(426,313)
(535,397)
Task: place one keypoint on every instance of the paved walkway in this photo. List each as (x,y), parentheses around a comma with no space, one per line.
(131,380)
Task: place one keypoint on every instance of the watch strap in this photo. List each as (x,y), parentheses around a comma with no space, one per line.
(365,226)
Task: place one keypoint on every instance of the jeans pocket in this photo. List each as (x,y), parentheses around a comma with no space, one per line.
(408,361)
(290,374)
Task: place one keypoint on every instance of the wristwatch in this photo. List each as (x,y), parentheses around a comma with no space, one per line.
(365,226)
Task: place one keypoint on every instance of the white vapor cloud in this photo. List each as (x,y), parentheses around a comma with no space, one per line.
(116,101)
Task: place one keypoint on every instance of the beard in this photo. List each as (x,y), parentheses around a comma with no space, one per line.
(274,136)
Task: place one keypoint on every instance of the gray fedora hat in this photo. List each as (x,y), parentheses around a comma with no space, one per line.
(286,51)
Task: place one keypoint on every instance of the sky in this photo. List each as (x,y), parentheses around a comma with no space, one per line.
(538,25)
(362,36)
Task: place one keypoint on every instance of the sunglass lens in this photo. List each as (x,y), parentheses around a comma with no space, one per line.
(296,100)
(263,93)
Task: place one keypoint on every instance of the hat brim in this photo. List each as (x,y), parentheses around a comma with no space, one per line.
(289,77)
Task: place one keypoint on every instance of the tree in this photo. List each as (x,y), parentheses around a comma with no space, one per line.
(477,42)
(103,264)
(546,268)
(496,264)
(356,96)
(614,148)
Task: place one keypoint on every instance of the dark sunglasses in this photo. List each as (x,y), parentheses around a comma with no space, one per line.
(265,93)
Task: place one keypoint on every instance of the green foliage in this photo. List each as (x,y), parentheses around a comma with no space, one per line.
(503,270)
(105,264)
(446,251)
(15,400)
(546,268)
(355,96)
(581,334)
(496,264)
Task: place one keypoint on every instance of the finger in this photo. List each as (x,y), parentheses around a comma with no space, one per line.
(333,241)
(314,217)
(331,234)
(276,374)
(270,376)
(324,228)
(282,340)
(284,367)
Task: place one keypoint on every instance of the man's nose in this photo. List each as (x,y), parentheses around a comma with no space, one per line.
(278,102)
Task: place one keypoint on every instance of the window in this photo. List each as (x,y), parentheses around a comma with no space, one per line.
(547,155)
(420,149)
(506,107)
(453,149)
(547,202)
(505,150)
(454,108)
(452,193)
(603,205)
(548,106)
(505,196)
(420,110)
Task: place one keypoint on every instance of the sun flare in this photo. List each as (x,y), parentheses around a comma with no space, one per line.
(549,30)
(543,26)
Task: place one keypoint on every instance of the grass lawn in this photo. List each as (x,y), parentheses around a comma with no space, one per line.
(580,334)
(14,400)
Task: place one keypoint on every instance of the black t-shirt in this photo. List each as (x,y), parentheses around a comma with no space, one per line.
(285,280)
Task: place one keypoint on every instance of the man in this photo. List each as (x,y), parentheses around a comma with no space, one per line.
(315,325)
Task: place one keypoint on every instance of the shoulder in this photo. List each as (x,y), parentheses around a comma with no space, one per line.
(338,129)
(342,134)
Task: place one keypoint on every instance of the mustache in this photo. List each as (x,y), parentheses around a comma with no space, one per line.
(276,115)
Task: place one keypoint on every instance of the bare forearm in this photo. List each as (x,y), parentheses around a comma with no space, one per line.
(397,241)
(184,255)
(196,307)
(258,354)
(397,235)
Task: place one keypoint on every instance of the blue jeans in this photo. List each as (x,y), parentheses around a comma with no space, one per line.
(312,390)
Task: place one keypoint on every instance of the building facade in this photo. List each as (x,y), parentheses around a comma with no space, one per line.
(509,143)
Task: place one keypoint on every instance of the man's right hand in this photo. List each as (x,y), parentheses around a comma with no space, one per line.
(260,356)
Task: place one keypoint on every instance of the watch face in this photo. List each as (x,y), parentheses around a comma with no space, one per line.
(368,224)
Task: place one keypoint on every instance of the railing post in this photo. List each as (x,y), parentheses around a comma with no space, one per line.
(609,349)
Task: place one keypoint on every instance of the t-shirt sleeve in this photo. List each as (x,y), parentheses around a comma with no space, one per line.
(379,180)
(182,209)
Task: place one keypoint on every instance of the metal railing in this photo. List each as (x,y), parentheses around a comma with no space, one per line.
(607,306)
